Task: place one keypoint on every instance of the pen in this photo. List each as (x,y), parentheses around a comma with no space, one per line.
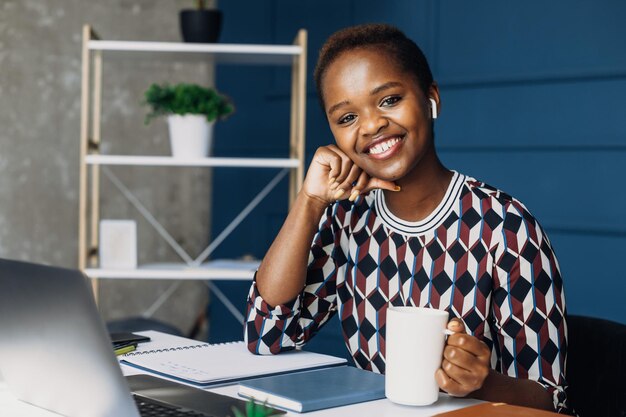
(125,349)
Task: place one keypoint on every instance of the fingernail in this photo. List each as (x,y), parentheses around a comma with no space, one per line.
(338,194)
(455,324)
(331,180)
(334,185)
(397,188)
(354,195)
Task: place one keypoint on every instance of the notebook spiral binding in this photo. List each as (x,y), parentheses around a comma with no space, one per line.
(203,345)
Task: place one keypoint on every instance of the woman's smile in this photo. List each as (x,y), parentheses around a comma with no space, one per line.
(385,147)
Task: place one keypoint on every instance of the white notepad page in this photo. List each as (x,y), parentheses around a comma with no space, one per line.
(205,364)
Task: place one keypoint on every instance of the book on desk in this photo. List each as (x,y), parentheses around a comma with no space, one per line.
(317,389)
(205,365)
(497,410)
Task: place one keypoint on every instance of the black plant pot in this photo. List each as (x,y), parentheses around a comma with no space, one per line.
(200,25)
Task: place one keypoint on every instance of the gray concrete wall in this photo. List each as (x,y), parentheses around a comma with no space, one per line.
(40,80)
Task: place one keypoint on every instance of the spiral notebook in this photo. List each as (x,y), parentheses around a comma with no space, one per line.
(206,365)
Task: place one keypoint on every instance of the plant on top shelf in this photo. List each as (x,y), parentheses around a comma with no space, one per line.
(191,112)
(200,24)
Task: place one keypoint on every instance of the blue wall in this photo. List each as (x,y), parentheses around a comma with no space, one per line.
(533,102)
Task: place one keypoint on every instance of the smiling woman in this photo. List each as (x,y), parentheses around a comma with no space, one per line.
(380,221)
(381,120)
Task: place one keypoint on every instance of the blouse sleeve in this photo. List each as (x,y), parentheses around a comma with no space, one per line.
(529,305)
(272,329)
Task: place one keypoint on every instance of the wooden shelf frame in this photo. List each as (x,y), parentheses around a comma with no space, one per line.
(93,48)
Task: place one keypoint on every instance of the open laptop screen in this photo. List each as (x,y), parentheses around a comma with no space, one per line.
(54,350)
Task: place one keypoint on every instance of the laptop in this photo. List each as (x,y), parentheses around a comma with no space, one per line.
(56,354)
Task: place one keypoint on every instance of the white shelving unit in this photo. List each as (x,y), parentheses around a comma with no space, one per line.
(195,162)
(218,269)
(92,161)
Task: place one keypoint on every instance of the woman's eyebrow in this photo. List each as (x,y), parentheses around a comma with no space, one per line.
(385,86)
(382,87)
(336,106)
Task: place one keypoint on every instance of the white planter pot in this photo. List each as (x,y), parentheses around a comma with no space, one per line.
(191,136)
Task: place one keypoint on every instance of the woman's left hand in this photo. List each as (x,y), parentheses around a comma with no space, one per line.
(465,364)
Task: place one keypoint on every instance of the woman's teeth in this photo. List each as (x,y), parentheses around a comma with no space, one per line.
(383,146)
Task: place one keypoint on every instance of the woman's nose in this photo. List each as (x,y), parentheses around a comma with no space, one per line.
(372,123)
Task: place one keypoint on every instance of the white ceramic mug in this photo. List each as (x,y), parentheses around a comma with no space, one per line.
(414,342)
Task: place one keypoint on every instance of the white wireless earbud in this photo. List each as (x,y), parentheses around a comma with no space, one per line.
(433,108)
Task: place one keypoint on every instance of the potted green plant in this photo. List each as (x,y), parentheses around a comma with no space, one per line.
(191,112)
(254,410)
(200,24)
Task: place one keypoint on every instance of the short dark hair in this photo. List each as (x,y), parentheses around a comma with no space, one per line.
(391,40)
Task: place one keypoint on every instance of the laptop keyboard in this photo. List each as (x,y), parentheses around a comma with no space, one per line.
(148,408)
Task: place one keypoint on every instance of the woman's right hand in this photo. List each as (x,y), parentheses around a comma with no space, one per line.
(333,176)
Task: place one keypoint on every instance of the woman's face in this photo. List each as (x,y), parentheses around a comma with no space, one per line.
(377,113)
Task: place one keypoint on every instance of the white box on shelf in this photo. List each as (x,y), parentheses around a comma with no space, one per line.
(118,244)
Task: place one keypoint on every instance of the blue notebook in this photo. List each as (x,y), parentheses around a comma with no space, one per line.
(317,389)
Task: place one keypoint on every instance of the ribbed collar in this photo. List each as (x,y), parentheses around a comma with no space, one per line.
(433,220)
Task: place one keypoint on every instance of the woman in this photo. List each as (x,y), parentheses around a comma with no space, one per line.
(389,224)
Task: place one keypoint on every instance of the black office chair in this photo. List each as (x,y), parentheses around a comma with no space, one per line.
(596,367)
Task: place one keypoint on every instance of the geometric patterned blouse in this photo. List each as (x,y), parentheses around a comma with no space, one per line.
(480,255)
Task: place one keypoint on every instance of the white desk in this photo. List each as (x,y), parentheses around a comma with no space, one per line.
(10,406)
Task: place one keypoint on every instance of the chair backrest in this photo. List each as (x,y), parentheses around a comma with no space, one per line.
(596,367)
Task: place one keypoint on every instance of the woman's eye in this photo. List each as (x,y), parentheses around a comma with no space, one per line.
(346,119)
(390,101)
